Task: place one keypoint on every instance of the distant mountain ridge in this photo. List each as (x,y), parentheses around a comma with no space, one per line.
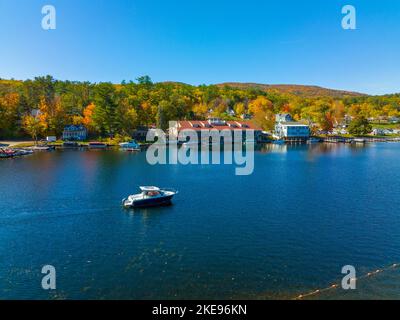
(304,91)
(298,90)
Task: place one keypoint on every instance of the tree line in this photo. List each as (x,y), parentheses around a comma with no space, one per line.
(44,106)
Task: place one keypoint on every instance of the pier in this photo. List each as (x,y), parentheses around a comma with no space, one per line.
(368,139)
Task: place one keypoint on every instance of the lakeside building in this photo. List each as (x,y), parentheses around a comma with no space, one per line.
(337,131)
(141,132)
(394,120)
(217,124)
(73,132)
(283,117)
(35,113)
(384,132)
(288,129)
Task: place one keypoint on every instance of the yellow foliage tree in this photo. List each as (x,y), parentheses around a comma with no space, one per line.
(34,126)
(262,110)
(200,110)
(239,108)
(77,120)
(43,115)
(260,104)
(8,113)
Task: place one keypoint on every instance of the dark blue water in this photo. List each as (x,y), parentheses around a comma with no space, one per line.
(286,229)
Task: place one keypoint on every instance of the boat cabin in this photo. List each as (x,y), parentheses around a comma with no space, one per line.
(151,191)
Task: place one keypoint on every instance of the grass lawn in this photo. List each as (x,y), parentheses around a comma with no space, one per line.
(385,125)
(17,144)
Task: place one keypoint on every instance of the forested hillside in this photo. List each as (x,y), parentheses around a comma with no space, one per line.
(299,90)
(45,105)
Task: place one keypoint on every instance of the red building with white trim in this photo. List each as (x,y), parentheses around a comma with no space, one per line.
(214,124)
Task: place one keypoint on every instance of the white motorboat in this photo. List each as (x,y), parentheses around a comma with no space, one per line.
(360,140)
(150,197)
(130,146)
(313,140)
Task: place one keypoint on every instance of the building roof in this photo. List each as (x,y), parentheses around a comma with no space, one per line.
(74,128)
(225,125)
(145,189)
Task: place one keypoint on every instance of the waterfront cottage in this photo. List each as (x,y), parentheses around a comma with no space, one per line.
(141,132)
(283,117)
(378,132)
(394,119)
(73,132)
(286,128)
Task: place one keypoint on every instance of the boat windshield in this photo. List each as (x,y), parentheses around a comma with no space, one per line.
(152,193)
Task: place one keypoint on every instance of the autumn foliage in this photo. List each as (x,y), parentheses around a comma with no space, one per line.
(43,106)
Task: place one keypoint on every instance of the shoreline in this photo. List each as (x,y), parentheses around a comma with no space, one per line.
(10,143)
(26,144)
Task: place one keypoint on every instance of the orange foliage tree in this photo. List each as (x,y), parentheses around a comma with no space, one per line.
(87,120)
(9,113)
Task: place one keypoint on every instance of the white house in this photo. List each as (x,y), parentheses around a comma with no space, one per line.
(378,132)
(283,117)
(286,128)
(246,116)
(394,119)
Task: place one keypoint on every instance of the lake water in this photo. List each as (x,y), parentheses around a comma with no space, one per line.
(285,230)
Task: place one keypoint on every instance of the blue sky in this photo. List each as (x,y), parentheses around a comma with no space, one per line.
(208,41)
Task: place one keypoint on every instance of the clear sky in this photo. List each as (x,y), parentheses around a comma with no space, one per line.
(207,41)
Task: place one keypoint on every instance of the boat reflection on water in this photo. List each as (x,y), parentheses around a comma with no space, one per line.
(273,148)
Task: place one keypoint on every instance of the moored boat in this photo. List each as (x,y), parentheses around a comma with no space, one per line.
(41,148)
(130,146)
(314,140)
(70,144)
(11,153)
(360,140)
(23,152)
(97,145)
(150,197)
(7,153)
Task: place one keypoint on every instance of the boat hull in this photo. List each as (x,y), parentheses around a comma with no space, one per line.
(154,202)
(131,149)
